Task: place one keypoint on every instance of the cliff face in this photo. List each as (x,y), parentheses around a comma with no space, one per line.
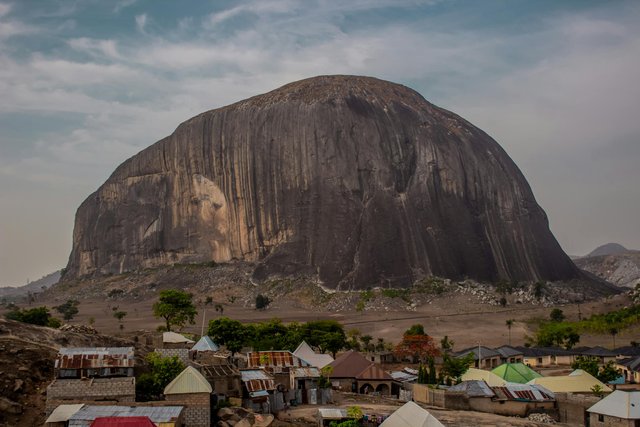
(354,180)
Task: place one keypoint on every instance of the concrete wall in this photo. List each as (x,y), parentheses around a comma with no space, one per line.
(182,353)
(608,421)
(511,408)
(115,390)
(572,408)
(197,412)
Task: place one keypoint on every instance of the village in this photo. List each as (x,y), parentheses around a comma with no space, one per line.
(96,386)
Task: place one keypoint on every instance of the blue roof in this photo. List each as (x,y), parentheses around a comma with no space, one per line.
(205,344)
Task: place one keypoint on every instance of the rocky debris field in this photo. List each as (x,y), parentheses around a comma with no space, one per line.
(621,269)
(27,353)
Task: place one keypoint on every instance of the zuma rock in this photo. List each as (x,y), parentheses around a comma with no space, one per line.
(353,181)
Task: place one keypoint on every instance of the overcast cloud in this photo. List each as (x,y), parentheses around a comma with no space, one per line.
(85,85)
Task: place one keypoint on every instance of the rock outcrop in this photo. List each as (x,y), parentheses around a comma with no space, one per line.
(352,180)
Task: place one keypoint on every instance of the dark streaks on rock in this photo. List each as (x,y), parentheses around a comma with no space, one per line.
(354,180)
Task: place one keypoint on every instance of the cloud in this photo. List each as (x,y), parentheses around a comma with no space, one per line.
(123,4)
(5,8)
(141,22)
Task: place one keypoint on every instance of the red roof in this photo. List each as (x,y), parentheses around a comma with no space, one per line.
(122,422)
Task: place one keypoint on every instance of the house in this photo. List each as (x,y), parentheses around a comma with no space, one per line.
(602,354)
(484,357)
(381,357)
(191,390)
(165,416)
(306,353)
(411,415)
(278,364)
(353,372)
(627,351)
(304,383)
(630,369)
(257,386)
(489,377)
(205,344)
(123,422)
(60,415)
(546,356)
(94,362)
(224,378)
(577,381)
(92,374)
(515,373)
(509,354)
(620,408)
(176,340)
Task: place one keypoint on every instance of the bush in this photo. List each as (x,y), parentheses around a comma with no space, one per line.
(36,316)
(262,302)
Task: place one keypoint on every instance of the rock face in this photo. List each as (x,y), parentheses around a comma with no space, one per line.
(621,269)
(352,180)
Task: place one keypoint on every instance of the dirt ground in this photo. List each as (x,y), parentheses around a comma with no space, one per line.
(465,321)
(306,415)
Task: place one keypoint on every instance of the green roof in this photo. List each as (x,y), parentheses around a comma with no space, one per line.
(516,373)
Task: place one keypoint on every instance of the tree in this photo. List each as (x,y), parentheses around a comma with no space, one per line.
(613,331)
(560,334)
(120,315)
(69,309)
(366,339)
(509,324)
(606,373)
(416,329)
(262,302)
(446,344)
(556,315)
(175,307)
(230,333)
(421,347)
(36,316)
(162,370)
(538,290)
(455,368)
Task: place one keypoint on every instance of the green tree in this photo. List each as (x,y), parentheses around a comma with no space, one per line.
(262,302)
(416,329)
(366,340)
(162,370)
(606,373)
(613,331)
(230,333)
(175,307)
(454,368)
(446,344)
(35,316)
(69,309)
(432,370)
(562,334)
(556,315)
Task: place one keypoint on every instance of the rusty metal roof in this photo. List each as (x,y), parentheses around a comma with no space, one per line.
(305,372)
(95,357)
(284,359)
(528,392)
(216,371)
(257,379)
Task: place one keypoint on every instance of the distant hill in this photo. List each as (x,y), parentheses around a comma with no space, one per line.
(622,269)
(35,286)
(608,249)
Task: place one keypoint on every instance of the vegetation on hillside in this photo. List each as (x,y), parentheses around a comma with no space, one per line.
(564,333)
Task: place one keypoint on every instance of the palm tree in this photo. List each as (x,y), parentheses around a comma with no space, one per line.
(509,323)
(613,331)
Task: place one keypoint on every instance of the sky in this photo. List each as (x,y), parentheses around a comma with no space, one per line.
(86,84)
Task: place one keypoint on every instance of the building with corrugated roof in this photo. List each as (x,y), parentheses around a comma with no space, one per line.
(306,353)
(191,390)
(162,416)
(515,373)
(578,381)
(620,408)
(351,371)
(87,374)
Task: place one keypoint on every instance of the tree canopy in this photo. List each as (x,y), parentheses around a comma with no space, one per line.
(175,307)
(150,385)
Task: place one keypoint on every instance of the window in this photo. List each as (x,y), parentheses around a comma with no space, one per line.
(601,418)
